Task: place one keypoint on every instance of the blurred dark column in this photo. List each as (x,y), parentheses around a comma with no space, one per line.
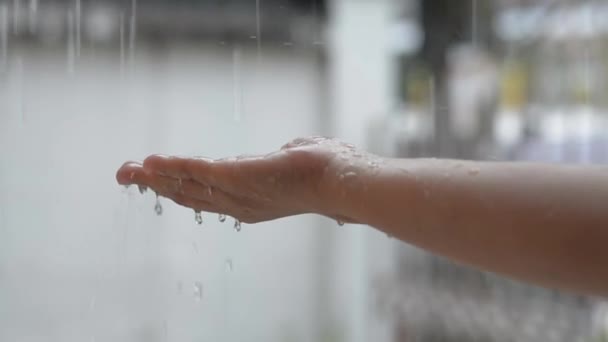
(446,23)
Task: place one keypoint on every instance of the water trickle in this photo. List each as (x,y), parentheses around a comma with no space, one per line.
(221,217)
(71,47)
(228,264)
(158,208)
(77,14)
(32,14)
(340,223)
(237,225)
(198,217)
(237,93)
(473,171)
(198,291)
(16,16)
(121,32)
(258,31)
(142,189)
(3,35)
(132,31)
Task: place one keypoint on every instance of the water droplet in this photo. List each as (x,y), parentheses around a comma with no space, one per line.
(474,171)
(158,208)
(179,287)
(228,264)
(198,291)
(350,174)
(209,191)
(221,218)
(252,37)
(237,225)
(195,247)
(198,217)
(180,186)
(142,189)
(340,223)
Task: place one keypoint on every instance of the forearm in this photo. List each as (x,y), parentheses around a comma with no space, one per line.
(541,223)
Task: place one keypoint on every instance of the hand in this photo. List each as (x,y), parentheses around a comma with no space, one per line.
(297,179)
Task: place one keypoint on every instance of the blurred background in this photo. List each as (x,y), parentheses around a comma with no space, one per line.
(88,84)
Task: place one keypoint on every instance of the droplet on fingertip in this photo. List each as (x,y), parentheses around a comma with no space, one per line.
(142,189)
(198,217)
(158,208)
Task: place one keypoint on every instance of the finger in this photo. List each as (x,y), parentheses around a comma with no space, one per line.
(179,167)
(129,172)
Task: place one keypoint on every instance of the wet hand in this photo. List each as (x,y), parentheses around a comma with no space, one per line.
(296,179)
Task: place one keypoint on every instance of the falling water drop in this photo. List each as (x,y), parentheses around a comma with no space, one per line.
(179,287)
(78,12)
(237,93)
(32,14)
(121,31)
(258,32)
(132,31)
(3,35)
(221,218)
(237,225)
(142,189)
(16,16)
(71,50)
(228,264)
(474,22)
(198,291)
(158,208)
(198,217)
(340,223)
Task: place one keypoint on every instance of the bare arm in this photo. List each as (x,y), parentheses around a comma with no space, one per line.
(546,224)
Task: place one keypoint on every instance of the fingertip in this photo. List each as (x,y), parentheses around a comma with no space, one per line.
(155,161)
(128,173)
